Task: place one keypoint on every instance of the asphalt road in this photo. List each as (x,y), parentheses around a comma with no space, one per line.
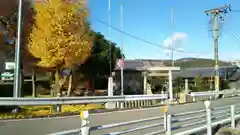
(51,125)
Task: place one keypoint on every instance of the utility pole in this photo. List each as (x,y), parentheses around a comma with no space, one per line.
(109,34)
(122,77)
(172,31)
(216,15)
(17,70)
(110,105)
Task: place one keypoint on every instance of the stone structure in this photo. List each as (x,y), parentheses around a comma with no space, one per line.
(136,73)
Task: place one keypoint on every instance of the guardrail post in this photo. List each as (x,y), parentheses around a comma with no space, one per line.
(132,104)
(233,124)
(117,104)
(121,105)
(85,129)
(164,110)
(59,107)
(169,124)
(194,99)
(208,117)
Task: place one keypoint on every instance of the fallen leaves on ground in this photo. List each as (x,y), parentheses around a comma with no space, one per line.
(45,111)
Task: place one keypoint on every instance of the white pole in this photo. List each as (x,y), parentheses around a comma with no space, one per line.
(17,73)
(169,124)
(85,129)
(145,83)
(170,88)
(232,110)
(110,105)
(109,34)
(208,117)
(121,19)
(172,30)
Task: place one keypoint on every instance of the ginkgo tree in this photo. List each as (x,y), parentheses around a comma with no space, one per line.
(60,36)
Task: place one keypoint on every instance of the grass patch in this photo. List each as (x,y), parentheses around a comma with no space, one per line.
(45,111)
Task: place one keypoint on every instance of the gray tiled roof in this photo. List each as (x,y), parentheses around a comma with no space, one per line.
(140,65)
(206,71)
(235,76)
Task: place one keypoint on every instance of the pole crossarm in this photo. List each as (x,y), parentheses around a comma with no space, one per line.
(222,9)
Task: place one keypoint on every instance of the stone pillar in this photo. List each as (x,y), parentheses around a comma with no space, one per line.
(110,105)
(145,83)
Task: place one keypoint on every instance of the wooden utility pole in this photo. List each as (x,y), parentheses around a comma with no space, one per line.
(216,15)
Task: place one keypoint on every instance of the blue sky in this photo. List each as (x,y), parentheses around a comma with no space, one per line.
(151,21)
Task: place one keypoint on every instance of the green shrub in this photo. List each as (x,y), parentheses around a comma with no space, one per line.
(228,131)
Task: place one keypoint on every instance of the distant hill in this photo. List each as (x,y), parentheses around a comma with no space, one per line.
(195,62)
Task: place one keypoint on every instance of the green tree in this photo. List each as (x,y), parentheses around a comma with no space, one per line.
(200,84)
(177,86)
(99,61)
(157,84)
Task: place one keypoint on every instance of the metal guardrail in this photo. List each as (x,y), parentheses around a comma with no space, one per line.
(86,130)
(77,100)
(200,121)
(136,103)
(208,95)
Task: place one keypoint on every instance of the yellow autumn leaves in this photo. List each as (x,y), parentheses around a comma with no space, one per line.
(60,36)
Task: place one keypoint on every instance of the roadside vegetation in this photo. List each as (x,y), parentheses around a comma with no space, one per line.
(60,46)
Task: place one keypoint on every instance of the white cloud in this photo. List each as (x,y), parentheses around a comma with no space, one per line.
(175,41)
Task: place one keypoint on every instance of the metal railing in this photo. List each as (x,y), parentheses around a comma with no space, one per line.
(136,103)
(127,101)
(208,95)
(199,121)
(77,100)
(202,120)
(86,129)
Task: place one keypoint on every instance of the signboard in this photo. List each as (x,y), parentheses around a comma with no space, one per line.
(120,63)
(9,65)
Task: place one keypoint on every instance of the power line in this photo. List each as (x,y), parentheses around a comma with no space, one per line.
(146,41)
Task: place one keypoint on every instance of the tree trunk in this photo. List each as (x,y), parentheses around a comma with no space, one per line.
(93,83)
(57,86)
(70,85)
(52,81)
(86,83)
(33,83)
